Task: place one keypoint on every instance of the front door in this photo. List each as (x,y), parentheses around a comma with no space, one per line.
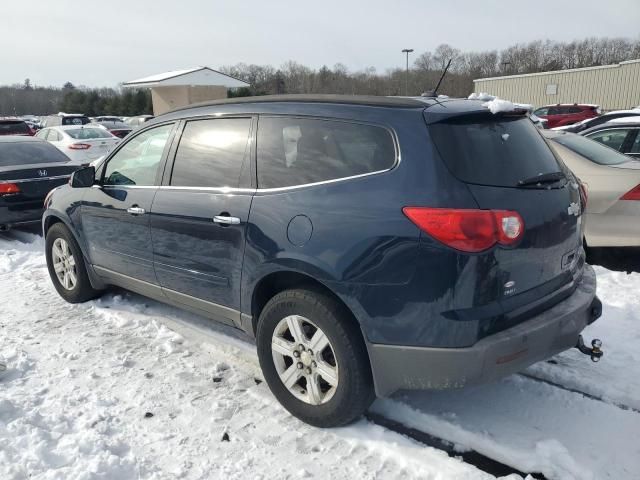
(115,212)
(199,216)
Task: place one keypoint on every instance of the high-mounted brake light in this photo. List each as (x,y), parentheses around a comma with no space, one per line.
(9,188)
(79,146)
(633,194)
(468,230)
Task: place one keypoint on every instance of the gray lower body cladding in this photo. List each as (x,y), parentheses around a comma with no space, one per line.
(551,332)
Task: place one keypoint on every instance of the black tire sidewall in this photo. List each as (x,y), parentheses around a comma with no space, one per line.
(83,290)
(354,393)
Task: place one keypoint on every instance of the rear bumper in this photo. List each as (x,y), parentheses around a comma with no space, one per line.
(20,214)
(553,331)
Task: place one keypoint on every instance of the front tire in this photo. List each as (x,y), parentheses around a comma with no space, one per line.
(66,266)
(314,359)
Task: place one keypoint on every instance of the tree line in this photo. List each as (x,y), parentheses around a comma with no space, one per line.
(26,99)
(294,77)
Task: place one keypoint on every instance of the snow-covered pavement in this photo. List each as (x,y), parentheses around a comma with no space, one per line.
(125,387)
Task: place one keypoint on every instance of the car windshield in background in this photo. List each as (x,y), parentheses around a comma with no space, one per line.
(29,153)
(591,150)
(88,133)
(497,151)
(75,120)
(14,128)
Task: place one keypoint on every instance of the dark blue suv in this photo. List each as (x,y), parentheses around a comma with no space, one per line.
(369,244)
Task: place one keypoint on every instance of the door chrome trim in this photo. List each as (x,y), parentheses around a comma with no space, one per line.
(224,220)
(217,312)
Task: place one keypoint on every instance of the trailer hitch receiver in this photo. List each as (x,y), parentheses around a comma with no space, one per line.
(595,352)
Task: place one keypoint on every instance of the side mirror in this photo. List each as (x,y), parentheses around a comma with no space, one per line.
(83,178)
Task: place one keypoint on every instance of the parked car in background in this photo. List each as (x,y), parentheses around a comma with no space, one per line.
(594,122)
(13,126)
(613,185)
(82,144)
(139,120)
(622,134)
(106,119)
(29,169)
(65,119)
(118,129)
(293,218)
(561,114)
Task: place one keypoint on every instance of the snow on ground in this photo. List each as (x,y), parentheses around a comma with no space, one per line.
(106,390)
(80,380)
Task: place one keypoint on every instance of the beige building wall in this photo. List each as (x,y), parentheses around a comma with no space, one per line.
(168,98)
(613,87)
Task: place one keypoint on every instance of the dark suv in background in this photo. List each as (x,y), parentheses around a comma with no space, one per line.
(560,115)
(370,244)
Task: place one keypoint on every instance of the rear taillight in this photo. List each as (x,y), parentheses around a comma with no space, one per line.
(584,194)
(8,188)
(79,146)
(468,230)
(633,194)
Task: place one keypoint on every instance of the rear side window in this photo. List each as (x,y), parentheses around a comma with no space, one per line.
(29,153)
(611,138)
(300,151)
(14,128)
(594,151)
(493,151)
(211,153)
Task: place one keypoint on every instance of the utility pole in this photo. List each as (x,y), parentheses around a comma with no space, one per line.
(406,81)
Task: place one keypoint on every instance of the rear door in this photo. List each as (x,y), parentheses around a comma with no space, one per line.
(115,212)
(199,215)
(499,158)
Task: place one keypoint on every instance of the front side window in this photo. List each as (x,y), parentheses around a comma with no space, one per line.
(300,151)
(137,162)
(635,146)
(211,153)
(541,112)
(611,138)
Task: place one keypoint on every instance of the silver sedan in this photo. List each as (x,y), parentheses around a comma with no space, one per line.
(613,185)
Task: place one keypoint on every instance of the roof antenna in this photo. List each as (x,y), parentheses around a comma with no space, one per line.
(434,92)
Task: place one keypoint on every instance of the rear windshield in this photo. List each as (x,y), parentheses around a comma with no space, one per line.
(88,133)
(496,151)
(28,153)
(13,128)
(75,120)
(591,150)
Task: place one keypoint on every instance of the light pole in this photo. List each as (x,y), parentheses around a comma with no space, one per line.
(406,81)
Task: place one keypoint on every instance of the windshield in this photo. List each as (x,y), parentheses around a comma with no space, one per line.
(29,153)
(88,133)
(591,150)
(499,151)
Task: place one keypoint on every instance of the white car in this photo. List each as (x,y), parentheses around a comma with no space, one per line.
(81,143)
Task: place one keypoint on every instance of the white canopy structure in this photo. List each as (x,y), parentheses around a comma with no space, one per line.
(180,88)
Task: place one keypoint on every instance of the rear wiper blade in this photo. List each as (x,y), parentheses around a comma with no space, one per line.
(542,179)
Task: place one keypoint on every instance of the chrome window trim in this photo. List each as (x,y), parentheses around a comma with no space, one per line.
(325,182)
(41,179)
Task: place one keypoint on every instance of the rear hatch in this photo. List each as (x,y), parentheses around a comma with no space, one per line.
(507,165)
(34,167)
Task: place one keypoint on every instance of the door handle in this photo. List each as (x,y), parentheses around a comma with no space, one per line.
(226,220)
(136,210)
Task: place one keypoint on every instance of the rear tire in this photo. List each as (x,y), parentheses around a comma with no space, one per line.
(66,266)
(328,387)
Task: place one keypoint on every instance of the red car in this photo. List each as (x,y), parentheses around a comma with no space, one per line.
(12,126)
(567,114)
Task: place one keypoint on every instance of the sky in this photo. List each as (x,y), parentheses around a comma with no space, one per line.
(102,43)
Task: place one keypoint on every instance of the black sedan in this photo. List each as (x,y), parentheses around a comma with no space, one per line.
(29,169)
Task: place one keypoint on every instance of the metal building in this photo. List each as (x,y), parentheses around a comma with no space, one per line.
(613,87)
(180,88)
